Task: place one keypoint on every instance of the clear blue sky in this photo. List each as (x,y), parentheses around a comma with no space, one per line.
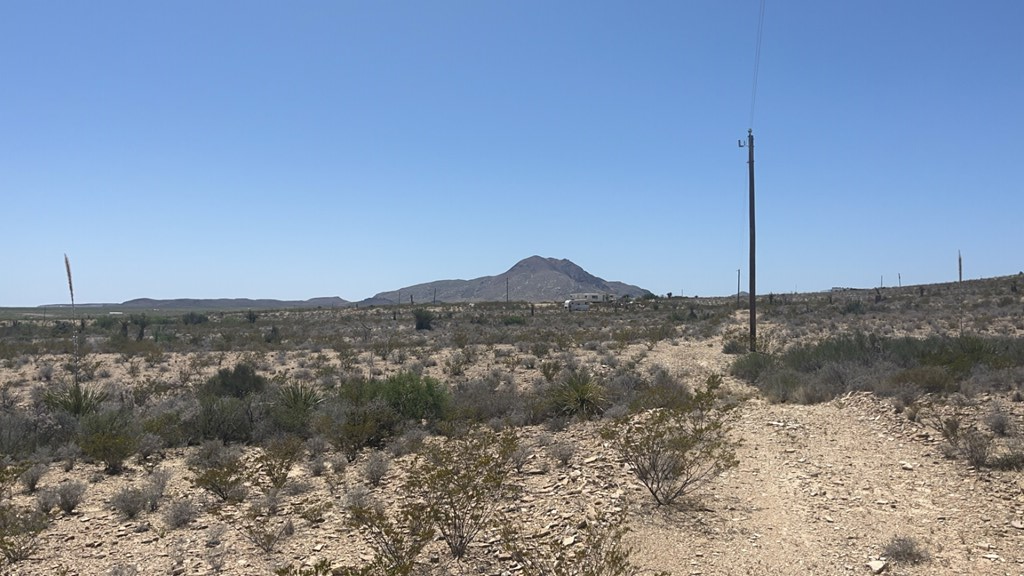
(279,150)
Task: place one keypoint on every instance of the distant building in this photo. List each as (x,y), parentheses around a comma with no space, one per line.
(592,297)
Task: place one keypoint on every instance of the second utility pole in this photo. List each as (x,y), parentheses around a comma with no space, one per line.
(753,245)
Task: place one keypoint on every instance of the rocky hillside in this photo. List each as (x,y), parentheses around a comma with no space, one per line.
(534,279)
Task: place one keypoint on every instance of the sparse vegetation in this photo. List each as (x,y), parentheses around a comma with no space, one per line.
(279,407)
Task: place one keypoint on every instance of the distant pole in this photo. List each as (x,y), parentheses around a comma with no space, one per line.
(737,288)
(899,280)
(753,243)
(435,296)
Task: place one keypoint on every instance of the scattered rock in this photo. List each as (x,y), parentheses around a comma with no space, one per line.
(878,566)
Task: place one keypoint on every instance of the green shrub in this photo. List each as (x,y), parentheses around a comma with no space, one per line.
(227,418)
(396,542)
(350,427)
(69,495)
(414,397)
(424,318)
(975,448)
(463,483)
(32,475)
(194,318)
(550,369)
(130,501)
(672,452)
(19,533)
(483,400)
(263,534)
(277,459)
(928,379)
(218,469)
(376,467)
(734,346)
(751,366)
(180,512)
(240,382)
(110,437)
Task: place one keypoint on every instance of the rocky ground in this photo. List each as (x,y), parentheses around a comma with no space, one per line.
(820,489)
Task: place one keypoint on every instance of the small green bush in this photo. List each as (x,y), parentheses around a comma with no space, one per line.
(19,533)
(672,452)
(415,397)
(751,366)
(239,382)
(180,512)
(352,427)
(278,457)
(226,418)
(928,379)
(424,318)
(110,437)
(464,482)
(219,470)
(69,495)
(31,476)
(396,542)
(130,501)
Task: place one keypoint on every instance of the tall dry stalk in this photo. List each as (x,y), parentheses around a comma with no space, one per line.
(960,290)
(74,318)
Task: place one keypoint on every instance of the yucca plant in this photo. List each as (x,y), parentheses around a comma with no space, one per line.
(294,406)
(579,393)
(299,398)
(74,398)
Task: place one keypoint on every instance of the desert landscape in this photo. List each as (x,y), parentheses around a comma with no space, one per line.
(873,431)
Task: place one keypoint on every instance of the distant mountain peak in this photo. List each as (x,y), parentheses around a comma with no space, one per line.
(533,279)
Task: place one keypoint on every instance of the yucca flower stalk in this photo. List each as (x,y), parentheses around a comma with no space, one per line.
(74,317)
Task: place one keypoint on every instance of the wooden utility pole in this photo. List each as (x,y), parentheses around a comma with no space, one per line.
(753,244)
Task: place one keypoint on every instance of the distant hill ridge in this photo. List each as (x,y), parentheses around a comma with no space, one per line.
(533,279)
(233,303)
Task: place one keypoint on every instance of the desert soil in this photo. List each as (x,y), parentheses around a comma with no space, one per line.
(818,490)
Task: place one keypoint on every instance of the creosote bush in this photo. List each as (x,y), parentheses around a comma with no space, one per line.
(463,481)
(673,451)
(19,533)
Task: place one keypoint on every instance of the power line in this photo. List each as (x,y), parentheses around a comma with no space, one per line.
(757,64)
